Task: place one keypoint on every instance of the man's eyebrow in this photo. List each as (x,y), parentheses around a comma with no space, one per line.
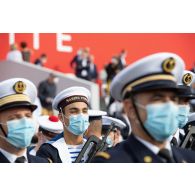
(74,108)
(158,94)
(13,115)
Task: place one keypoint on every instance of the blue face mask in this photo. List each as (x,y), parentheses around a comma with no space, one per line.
(78,124)
(183,113)
(20,132)
(162,120)
(109,141)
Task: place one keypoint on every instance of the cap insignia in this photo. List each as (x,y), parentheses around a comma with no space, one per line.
(168,65)
(187,78)
(19,87)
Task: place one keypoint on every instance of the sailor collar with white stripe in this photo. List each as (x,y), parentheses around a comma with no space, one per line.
(59,143)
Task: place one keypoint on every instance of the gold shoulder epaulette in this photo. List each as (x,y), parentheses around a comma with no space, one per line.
(103,155)
(49,160)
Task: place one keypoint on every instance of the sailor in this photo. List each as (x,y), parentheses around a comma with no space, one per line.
(148,89)
(190,122)
(189,137)
(114,136)
(95,127)
(72,104)
(49,127)
(185,94)
(17,125)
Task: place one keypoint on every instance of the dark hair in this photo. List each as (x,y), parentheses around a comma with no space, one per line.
(23,45)
(52,75)
(43,55)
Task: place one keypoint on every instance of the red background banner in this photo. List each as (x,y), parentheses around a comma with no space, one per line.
(104,46)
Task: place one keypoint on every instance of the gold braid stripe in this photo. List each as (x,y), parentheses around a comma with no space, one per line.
(14,98)
(147,79)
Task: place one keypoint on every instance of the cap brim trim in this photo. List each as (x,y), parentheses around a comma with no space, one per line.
(14,98)
(129,87)
(32,107)
(72,99)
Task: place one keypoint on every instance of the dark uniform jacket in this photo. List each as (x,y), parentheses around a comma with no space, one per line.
(133,151)
(56,150)
(31,159)
(46,90)
(50,152)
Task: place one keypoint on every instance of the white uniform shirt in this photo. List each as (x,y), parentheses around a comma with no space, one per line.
(152,147)
(13,157)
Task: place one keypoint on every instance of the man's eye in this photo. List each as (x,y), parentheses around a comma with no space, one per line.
(11,119)
(156,98)
(73,112)
(28,115)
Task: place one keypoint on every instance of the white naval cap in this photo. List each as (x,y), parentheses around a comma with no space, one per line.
(50,123)
(17,92)
(96,114)
(71,95)
(191,117)
(157,71)
(107,120)
(191,121)
(187,78)
(184,85)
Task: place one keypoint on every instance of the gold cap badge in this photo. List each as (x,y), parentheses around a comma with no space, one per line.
(168,65)
(187,78)
(19,87)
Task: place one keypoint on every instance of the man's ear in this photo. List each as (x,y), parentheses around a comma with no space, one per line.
(129,108)
(61,117)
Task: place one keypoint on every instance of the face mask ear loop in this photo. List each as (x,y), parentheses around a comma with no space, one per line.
(62,115)
(138,116)
(4,133)
(64,124)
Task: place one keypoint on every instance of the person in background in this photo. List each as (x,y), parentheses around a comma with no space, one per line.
(95,120)
(112,69)
(41,61)
(76,61)
(46,93)
(192,102)
(49,127)
(80,64)
(125,132)
(26,52)
(185,94)
(114,136)
(122,59)
(14,54)
(83,68)
(93,73)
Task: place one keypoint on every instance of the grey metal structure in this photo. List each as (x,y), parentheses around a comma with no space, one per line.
(10,69)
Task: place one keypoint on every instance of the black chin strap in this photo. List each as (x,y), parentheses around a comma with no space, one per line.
(4,133)
(139,119)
